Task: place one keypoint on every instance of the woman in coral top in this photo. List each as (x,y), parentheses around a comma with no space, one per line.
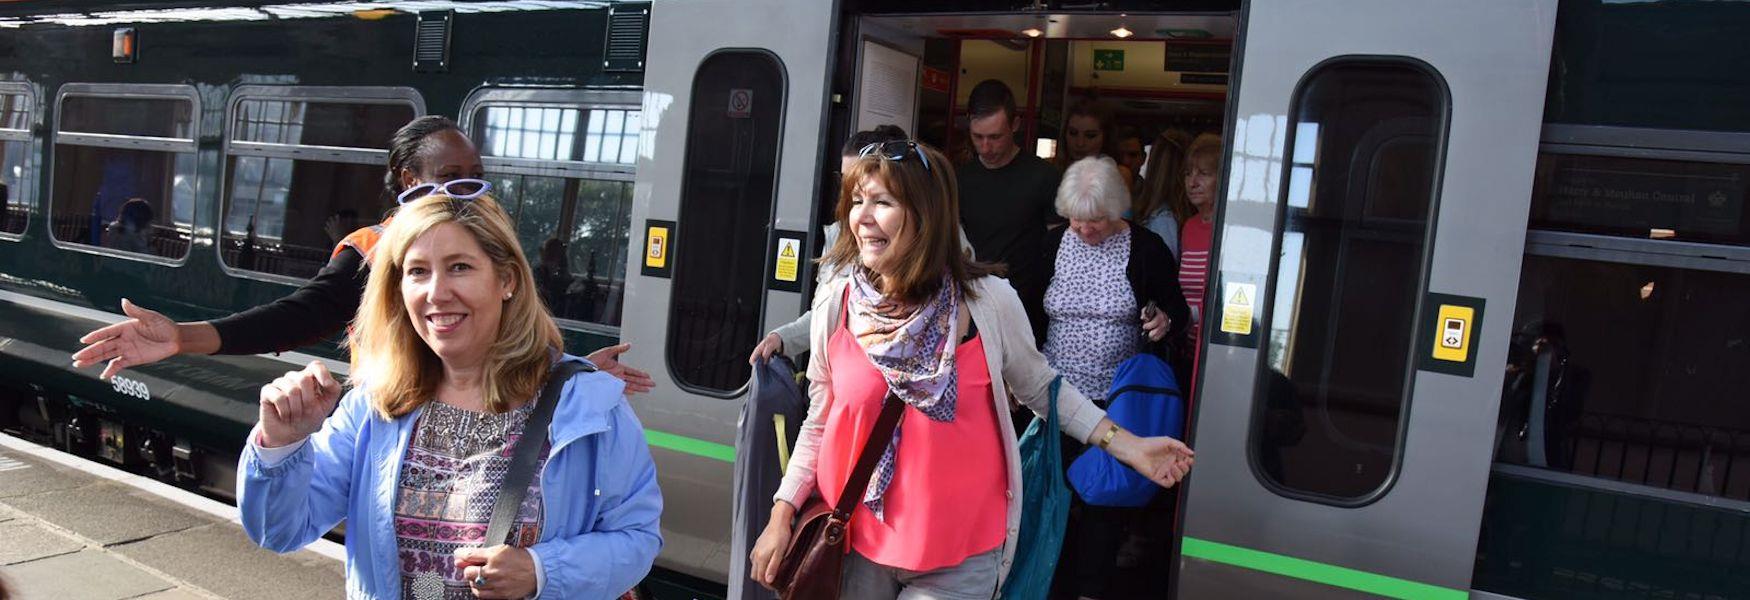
(918,317)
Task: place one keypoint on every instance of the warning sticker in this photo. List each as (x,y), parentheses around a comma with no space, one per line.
(789,257)
(1237,302)
(656,249)
(740,103)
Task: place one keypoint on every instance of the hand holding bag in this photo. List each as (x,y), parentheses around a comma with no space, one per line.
(814,562)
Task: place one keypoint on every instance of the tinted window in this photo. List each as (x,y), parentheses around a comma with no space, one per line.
(1641,198)
(133,195)
(573,233)
(284,213)
(1643,373)
(596,135)
(1650,63)
(15,167)
(1348,277)
(726,205)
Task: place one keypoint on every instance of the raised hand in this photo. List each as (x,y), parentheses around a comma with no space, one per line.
(295,405)
(145,338)
(608,361)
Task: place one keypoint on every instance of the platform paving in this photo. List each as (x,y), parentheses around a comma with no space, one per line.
(68,534)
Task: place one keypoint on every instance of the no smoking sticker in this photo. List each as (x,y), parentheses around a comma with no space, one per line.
(740,103)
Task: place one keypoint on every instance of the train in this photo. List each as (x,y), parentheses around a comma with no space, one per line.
(1475,325)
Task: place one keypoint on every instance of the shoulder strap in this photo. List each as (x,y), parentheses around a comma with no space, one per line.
(891,408)
(528,449)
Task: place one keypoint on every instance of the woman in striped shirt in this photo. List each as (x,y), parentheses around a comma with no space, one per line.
(1202,169)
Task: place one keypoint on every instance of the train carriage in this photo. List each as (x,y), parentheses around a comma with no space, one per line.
(1475,323)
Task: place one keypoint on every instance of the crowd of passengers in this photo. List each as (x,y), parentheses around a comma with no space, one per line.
(960,290)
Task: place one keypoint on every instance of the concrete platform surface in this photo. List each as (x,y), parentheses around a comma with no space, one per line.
(73,530)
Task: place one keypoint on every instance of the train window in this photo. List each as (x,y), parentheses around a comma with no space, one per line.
(304,168)
(1642,198)
(1348,278)
(124,168)
(727,194)
(561,162)
(1655,64)
(15,164)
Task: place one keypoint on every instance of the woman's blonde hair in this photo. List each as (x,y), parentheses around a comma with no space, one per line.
(395,365)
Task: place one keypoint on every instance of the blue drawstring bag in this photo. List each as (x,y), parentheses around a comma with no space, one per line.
(1044,508)
(1144,400)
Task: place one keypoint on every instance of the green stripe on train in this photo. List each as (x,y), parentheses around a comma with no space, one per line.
(684,444)
(1332,575)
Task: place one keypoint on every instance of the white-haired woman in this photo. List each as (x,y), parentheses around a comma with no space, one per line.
(1113,293)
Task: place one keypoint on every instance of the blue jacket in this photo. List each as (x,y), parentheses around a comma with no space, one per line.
(599,531)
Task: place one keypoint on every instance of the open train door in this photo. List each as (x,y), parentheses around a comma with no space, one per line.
(1378,169)
(734,98)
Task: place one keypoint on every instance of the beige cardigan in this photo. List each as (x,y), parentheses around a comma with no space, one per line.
(1008,350)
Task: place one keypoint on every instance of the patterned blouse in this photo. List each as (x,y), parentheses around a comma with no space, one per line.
(1092,312)
(449,482)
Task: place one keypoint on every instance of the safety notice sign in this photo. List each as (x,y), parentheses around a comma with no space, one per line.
(1237,303)
(789,256)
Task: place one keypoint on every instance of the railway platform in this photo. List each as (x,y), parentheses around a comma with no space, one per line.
(75,530)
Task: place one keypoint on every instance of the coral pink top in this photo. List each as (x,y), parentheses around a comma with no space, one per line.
(947,500)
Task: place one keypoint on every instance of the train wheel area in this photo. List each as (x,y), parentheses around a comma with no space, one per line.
(72,528)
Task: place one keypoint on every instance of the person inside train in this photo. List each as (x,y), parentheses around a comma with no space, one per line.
(131,231)
(451,349)
(921,319)
(1006,195)
(1162,206)
(429,153)
(791,339)
(1088,130)
(1131,155)
(1197,233)
(1112,293)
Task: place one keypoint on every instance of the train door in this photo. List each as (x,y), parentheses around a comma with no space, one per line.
(1379,163)
(734,99)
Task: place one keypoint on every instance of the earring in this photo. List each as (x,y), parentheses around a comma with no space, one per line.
(507,296)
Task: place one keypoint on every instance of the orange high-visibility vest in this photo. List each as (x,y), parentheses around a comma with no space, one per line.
(364,240)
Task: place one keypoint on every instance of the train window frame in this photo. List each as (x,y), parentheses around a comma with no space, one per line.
(179,145)
(232,147)
(24,195)
(677,255)
(583,99)
(1261,371)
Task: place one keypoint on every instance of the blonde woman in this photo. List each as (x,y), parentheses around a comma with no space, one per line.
(450,349)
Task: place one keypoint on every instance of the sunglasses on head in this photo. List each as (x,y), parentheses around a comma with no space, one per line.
(460,189)
(895,150)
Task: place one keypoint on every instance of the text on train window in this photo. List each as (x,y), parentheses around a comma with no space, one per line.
(304,171)
(16,179)
(124,169)
(727,194)
(564,172)
(1365,147)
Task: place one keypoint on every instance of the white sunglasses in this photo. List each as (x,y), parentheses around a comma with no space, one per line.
(460,189)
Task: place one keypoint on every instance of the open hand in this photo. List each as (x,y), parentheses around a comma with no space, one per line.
(508,571)
(145,338)
(607,360)
(295,405)
(1163,460)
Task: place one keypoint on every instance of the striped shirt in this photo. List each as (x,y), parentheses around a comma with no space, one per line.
(1194,243)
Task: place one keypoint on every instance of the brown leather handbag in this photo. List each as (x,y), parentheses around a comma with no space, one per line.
(815,561)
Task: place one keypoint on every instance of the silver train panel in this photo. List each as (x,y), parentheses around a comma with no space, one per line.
(696,514)
(1493,58)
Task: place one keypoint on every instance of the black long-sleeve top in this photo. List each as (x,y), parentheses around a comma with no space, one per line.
(315,311)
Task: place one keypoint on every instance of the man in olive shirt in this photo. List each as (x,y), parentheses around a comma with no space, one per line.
(1007,197)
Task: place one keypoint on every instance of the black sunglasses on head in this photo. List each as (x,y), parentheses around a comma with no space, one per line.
(895,150)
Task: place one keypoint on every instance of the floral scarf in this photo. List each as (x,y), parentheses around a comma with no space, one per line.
(914,352)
